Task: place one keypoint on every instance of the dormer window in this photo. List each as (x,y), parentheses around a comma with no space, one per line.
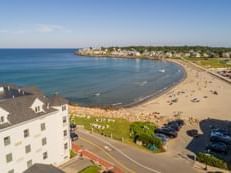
(2,119)
(37,106)
(3,116)
(37,109)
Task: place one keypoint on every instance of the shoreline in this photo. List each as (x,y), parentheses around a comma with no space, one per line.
(163,91)
(197,84)
(145,98)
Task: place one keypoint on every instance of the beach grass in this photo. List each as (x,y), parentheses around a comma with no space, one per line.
(211,62)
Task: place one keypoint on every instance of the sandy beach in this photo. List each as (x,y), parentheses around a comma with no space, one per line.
(199,96)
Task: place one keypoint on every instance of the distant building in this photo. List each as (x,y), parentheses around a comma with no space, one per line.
(33,129)
(226,55)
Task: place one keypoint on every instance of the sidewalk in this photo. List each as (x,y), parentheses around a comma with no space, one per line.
(96,159)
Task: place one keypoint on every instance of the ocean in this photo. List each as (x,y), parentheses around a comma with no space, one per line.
(88,81)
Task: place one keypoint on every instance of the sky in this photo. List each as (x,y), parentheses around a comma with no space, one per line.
(84,23)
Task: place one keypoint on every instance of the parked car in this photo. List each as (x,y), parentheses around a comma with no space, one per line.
(217,131)
(74,136)
(193,133)
(179,122)
(220,135)
(173,125)
(218,147)
(221,138)
(176,124)
(162,137)
(167,131)
(72,126)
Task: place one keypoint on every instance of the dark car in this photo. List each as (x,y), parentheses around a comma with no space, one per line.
(220,135)
(179,122)
(193,133)
(173,125)
(176,124)
(221,138)
(167,131)
(74,136)
(218,147)
(72,127)
(218,131)
(162,137)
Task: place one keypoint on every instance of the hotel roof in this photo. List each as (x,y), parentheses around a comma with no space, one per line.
(17,102)
(42,168)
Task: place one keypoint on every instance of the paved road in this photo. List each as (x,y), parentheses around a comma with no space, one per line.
(132,159)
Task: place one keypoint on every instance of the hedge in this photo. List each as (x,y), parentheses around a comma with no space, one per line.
(211,160)
(147,139)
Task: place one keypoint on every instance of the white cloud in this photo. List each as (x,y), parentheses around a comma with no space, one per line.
(44,28)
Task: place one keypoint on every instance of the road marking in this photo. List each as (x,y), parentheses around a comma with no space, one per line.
(122,153)
(113,158)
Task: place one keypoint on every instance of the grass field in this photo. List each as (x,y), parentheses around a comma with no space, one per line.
(115,128)
(91,169)
(118,128)
(211,62)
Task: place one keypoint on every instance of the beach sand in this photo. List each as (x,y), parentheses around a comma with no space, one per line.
(212,97)
(200,96)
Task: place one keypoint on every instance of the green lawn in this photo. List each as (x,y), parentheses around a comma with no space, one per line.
(118,128)
(210,62)
(91,169)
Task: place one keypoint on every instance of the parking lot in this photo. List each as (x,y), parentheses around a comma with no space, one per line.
(201,142)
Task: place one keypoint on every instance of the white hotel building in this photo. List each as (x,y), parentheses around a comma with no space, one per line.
(33,129)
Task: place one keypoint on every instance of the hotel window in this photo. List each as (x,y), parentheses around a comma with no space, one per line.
(27,148)
(11,171)
(7,141)
(26,133)
(65,133)
(37,109)
(29,163)
(2,119)
(9,157)
(45,155)
(64,119)
(43,126)
(44,141)
(65,146)
(64,108)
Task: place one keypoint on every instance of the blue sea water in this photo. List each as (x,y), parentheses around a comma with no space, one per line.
(88,81)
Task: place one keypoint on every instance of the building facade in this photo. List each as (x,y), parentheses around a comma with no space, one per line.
(33,129)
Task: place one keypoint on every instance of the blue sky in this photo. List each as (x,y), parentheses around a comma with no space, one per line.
(83,23)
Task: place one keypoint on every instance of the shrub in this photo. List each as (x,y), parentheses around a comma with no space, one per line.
(148,139)
(211,160)
(72,154)
(138,128)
